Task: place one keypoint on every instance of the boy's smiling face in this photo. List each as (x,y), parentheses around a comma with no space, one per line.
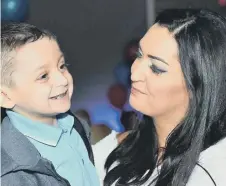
(42,84)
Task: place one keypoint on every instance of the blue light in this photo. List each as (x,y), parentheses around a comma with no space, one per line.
(11,5)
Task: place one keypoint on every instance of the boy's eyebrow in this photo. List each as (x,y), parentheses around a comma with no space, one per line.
(41,67)
(45,65)
(154,57)
(61,56)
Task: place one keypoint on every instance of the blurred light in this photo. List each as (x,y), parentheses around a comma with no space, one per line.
(11,5)
(107,115)
(222,2)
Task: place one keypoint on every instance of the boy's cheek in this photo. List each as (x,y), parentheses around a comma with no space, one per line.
(71,85)
(70,91)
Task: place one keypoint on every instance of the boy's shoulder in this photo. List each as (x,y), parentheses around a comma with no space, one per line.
(20,159)
(86,126)
(15,147)
(79,126)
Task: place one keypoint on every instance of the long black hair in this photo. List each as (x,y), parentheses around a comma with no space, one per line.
(201,38)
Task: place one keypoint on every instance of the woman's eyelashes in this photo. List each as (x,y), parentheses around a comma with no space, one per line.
(139,54)
(152,66)
(156,70)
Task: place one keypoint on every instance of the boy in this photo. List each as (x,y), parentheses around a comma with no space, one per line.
(40,146)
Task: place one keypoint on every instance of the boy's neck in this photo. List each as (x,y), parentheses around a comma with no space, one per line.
(50,120)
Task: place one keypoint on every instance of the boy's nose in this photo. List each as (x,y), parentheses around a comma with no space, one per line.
(61,80)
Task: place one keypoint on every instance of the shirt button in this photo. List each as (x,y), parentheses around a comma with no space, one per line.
(65,130)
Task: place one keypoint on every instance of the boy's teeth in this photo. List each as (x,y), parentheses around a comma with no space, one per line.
(58,97)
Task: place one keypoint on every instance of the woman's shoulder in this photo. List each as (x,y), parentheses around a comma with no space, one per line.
(214,151)
(211,168)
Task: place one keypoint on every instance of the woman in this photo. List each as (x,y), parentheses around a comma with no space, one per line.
(179,84)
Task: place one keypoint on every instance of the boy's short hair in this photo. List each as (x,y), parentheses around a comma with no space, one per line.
(13,36)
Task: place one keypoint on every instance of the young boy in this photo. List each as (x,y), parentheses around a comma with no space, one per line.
(39,146)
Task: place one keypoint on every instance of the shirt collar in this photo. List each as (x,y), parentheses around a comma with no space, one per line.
(41,132)
(65,121)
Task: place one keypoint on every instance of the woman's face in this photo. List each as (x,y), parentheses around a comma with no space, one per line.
(158,86)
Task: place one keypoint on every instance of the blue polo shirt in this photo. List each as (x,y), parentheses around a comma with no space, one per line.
(62,145)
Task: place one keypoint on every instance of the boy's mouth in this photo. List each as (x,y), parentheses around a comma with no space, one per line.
(59,96)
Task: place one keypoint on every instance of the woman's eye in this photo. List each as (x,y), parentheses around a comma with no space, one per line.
(156,70)
(139,54)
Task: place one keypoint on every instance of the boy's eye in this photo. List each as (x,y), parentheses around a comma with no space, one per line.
(156,70)
(43,77)
(64,66)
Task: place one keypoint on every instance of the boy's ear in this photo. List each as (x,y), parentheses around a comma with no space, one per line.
(5,99)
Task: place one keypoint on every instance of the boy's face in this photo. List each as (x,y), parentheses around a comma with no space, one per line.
(42,84)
